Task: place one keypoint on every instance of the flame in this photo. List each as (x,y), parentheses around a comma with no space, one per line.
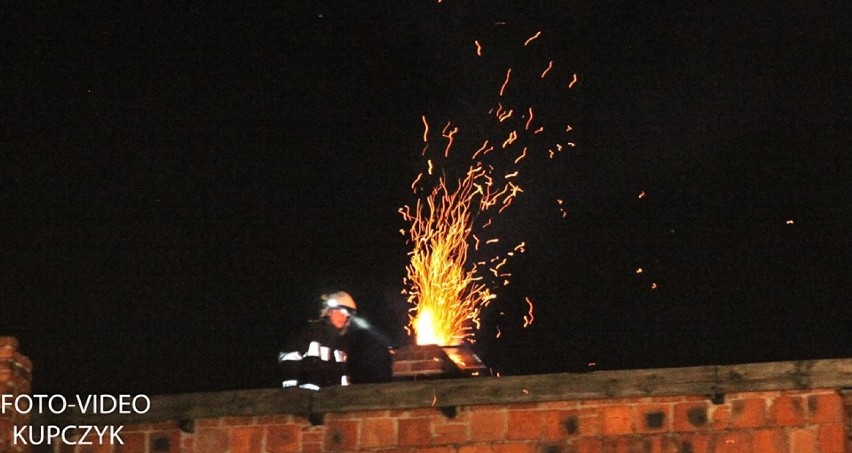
(427,330)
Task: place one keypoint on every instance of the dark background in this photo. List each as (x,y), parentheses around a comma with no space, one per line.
(180,184)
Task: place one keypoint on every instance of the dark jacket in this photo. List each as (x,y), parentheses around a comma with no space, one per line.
(317,359)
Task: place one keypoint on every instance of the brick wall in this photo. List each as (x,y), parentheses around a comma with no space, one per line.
(15,379)
(771,422)
(783,407)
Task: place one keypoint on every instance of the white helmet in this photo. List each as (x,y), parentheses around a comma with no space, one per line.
(339,300)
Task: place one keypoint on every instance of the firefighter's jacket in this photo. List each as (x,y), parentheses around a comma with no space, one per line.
(317,360)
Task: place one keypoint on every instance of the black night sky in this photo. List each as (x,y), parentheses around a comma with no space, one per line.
(180,184)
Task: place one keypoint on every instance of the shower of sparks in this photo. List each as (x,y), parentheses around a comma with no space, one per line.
(448,294)
(446,286)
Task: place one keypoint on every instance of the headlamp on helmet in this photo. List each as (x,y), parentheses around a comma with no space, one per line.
(340,300)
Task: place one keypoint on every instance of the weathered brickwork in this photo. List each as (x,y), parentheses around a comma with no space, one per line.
(797,420)
(15,378)
(771,422)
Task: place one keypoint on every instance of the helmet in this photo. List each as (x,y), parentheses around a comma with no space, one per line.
(339,300)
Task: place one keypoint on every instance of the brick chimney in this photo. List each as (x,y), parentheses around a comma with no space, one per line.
(15,379)
(414,362)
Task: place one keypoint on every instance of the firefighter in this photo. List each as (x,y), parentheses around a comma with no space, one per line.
(319,355)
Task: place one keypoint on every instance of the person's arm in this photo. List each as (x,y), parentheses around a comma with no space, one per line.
(295,364)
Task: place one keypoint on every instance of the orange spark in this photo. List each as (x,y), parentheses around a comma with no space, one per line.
(790,222)
(425,128)
(528,318)
(512,137)
(573,81)
(416,180)
(549,66)
(527,127)
(506,82)
(523,154)
(449,136)
(429,162)
(641,194)
(482,149)
(532,38)
(478,48)
(539,130)
(639,270)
